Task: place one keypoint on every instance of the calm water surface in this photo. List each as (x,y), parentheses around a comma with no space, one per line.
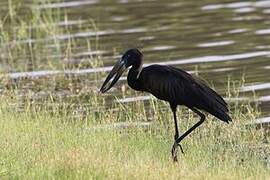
(219,40)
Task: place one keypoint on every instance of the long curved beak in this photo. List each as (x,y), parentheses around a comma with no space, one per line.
(114,75)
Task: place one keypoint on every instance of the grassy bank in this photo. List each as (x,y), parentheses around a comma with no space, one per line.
(60,128)
(42,144)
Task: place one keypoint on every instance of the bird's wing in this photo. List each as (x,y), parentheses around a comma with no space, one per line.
(162,82)
(179,87)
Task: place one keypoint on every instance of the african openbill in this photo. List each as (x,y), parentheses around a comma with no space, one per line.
(169,84)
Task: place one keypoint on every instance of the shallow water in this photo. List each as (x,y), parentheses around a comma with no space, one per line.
(216,39)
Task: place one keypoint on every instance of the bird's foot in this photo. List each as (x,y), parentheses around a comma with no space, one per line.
(175,151)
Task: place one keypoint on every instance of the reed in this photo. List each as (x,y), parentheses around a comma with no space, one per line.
(61,127)
(50,141)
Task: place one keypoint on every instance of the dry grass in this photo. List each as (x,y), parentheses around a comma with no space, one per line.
(46,144)
(41,139)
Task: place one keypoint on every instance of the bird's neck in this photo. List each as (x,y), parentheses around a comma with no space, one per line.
(136,69)
(133,77)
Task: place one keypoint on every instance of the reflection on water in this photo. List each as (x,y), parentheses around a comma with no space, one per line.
(68,4)
(262,31)
(173,62)
(262,4)
(214,44)
(144,98)
(257,87)
(234,31)
(216,39)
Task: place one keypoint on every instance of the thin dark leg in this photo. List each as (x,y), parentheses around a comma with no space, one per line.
(178,140)
(176,136)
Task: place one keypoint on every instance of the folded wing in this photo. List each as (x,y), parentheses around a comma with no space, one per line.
(179,87)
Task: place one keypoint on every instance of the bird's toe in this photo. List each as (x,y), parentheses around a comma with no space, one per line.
(175,150)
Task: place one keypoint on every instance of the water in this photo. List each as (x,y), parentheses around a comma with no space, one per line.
(216,39)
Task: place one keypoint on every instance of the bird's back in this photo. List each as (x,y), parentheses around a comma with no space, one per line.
(180,88)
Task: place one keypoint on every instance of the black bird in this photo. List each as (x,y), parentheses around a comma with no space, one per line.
(169,84)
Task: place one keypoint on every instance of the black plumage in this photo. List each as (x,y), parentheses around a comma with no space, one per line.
(170,84)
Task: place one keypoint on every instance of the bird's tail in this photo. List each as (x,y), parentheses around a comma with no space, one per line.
(222,115)
(216,104)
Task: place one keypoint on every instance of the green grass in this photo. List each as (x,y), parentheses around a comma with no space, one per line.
(45,144)
(41,136)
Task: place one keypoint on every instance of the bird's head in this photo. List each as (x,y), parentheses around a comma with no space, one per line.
(132,57)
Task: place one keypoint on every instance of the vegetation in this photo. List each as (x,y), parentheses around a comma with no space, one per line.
(41,143)
(61,128)
(35,38)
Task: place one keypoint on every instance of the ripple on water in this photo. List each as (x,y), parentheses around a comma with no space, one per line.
(146,38)
(266,11)
(264,120)
(255,87)
(83,34)
(236,31)
(245,10)
(247,18)
(148,97)
(262,4)
(263,47)
(203,59)
(89,53)
(239,5)
(162,48)
(229,5)
(262,31)
(214,44)
(217,58)
(264,98)
(67,4)
(134,30)
(119,18)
